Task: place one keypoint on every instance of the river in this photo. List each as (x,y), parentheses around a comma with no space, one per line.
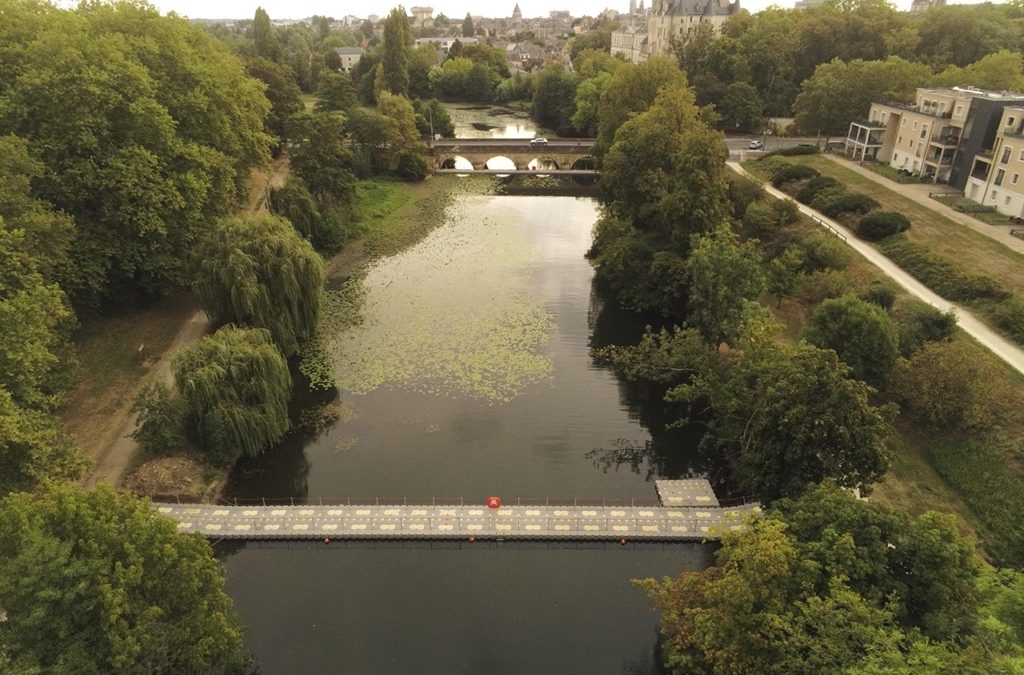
(464,370)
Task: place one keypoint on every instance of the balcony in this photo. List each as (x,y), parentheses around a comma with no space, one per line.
(946,141)
(931,112)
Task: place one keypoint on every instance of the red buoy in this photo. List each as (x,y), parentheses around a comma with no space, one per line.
(493,502)
(472,539)
(327,540)
(622,541)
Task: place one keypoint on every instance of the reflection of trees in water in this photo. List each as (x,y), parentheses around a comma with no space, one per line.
(671,452)
(282,472)
(650,663)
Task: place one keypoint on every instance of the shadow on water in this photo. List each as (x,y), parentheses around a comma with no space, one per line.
(672,452)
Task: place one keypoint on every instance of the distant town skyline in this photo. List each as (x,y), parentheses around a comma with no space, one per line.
(300,9)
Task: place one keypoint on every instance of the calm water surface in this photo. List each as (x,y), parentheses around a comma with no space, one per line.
(464,370)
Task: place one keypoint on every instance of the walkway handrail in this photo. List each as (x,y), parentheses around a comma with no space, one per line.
(831,229)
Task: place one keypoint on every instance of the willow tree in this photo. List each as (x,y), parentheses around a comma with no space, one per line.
(256,270)
(236,386)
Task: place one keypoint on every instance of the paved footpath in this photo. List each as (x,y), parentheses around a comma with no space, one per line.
(918,192)
(1000,346)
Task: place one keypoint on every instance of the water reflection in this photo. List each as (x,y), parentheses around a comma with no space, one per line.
(483,121)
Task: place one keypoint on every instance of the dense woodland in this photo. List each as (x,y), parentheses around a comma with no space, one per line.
(127,141)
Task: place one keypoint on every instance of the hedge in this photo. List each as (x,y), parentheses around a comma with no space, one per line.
(793,173)
(881,224)
(808,192)
(941,274)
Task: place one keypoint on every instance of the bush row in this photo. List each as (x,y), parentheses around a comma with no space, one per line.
(942,275)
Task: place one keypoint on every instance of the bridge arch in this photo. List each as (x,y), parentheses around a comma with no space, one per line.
(542,163)
(457,162)
(583,164)
(500,162)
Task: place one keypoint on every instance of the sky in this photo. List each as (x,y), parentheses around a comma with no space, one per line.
(299,9)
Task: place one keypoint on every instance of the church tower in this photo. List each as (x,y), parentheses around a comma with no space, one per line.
(517,16)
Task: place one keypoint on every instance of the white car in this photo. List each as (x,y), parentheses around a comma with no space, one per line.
(755,145)
(539,141)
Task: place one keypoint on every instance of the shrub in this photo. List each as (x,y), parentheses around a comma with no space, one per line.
(161,420)
(821,285)
(834,203)
(881,294)
(941,274)
(771,165)
(742,193)
(881,224)
(813,187)
(918,323)
(860,332)
(949,385)
(412,167)
(824,251)
(797,150)
(793,172)
(1009,317)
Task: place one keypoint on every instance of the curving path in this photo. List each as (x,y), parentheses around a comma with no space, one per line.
(996,343)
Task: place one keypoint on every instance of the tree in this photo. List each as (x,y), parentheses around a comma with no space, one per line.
(554,99)
(257,271)
(422,60)
(161,420)
(267,46)
(284,95)
(236,386)
(790,416)
(999,71)
(336,93)
(741,108)
(467,26)
(839,92)
(859,331)
(679,190)
(98,582)
(724,276)
(321,158)
(394,72)
(432,119)
(830,583)
(631,90)
(294,202)
(33,449)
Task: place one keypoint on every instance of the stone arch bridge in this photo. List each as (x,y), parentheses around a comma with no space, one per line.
(559,154)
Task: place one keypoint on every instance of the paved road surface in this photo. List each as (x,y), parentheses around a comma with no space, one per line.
(1000,346)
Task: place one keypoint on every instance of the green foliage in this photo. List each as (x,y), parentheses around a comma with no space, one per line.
(680,190)
(266,43)
(33,449)
(881,224)
(741,108)
(236,387)
(255,270)
(461,78)
(775,407)
(829,584)
(97,582)
(793,172)
(1009,316)
(433,118)
(824,252)
(946,384)
(815,185)
(724,275)
(321,158)
(941,274)
(467,26)
(883,294)
(801,150)
(554,98)
(412,166)
(665,357)
(335,92)
(999,71)
(393,75)
(836,201)
(284,95)
(294,202)
(918,323)
(146,110)
(860,332)
(161,420)
(632,90)
(839,92)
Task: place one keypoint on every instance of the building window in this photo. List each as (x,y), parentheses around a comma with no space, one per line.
(999,176)
(1010,121)
(900,142)
(911,144)
(1007,200)
(1007,151)
(959,110)
(1021,158)
(915,126)
(924,132)
(1014,178)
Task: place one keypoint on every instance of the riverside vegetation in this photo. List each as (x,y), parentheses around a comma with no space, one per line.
(166,122)
(801,413)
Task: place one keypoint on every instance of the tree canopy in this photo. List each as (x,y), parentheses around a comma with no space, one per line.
(859,331)
(97,582)
(256,270)
(236,387)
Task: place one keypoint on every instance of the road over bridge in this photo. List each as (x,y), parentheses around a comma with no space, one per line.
(557,154)
(688,511)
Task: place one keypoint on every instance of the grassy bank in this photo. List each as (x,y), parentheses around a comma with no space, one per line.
(977,475)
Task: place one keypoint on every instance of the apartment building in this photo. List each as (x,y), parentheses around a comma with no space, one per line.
(669,20)
(936,137)
(995,178)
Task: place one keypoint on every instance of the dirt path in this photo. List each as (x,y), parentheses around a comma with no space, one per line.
(112,463)
(989,338)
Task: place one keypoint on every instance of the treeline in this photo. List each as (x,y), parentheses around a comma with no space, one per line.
(826,582)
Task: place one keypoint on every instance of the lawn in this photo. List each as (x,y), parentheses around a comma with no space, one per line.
(891,173)
(988,216)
